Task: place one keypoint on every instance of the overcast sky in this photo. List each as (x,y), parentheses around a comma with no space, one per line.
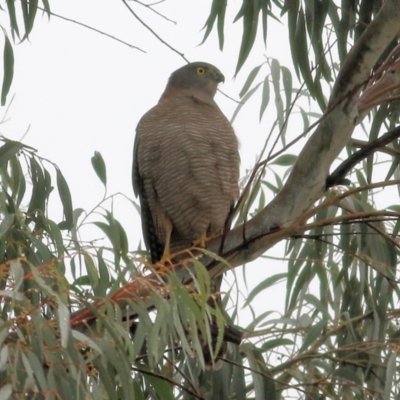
(77,92)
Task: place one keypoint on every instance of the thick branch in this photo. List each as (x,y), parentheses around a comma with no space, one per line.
(307,181)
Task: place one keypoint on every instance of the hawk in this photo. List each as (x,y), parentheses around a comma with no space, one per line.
(186,172)
(185,164)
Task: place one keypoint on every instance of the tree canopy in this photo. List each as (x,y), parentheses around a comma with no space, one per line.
(86,320)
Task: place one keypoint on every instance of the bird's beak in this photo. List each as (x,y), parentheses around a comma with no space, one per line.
(218,76)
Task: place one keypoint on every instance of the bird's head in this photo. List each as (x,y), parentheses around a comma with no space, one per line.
(199,76)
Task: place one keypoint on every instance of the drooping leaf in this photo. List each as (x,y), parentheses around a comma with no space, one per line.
(250,79)
(218,9)
(5,224)
(29,9)
(99,167)
(249,14)
(46,5)
(13,17)
(264,385)
(292,9)
(301,51)
(8,65)
(243,101)
(262,286)
(265,97)
(66,200)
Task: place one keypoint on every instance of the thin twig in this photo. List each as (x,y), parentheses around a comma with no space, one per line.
(153,32)
(150,7)
(92,29)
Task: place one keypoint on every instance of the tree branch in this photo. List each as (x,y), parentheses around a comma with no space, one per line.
(337,176)
(153,32)
(90,28)
(307,182)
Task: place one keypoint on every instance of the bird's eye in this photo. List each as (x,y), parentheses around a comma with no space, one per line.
(200,70)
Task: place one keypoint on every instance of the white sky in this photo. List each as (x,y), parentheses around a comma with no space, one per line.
(79,92)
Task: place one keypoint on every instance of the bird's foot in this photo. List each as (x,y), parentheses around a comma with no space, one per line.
(165,263)
(203,239)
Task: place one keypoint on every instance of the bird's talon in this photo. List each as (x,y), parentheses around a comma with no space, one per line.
(201,241)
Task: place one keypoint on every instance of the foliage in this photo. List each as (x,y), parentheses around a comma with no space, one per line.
(116,328)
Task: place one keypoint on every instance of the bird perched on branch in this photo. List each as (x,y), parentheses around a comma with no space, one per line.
(186,163)
(186,170)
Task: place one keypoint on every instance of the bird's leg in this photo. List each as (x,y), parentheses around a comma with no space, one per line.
(166,257)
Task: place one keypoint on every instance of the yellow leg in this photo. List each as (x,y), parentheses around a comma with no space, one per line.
(166,257)
(201,241)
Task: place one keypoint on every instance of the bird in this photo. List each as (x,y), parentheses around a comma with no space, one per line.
(186,173)
(185,164)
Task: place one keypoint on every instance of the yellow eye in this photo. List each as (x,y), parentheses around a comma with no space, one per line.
(200,70)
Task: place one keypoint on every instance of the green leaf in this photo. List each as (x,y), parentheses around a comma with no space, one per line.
(55,234)
(292,8)
(37,366)
(12,294)
(285,160)
(65,196)
(301,49)
(390,376)
(104,281)
(272,280)
(250,80)
(249,13)
(287,87)
(91,269)
(8,64)
(244,100)
(301,278)
(115,233)
(18,273)
(64,323)
(6,223)
(29,9)
(265,97)
(163,389)
(264,384)
(319,305)
(12,16)
(6,391)
(218,9)
(99,167)
(306,121)
(313,334)
(277,343)
(120,362)
(17,183)
(46,6)
(238,378)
